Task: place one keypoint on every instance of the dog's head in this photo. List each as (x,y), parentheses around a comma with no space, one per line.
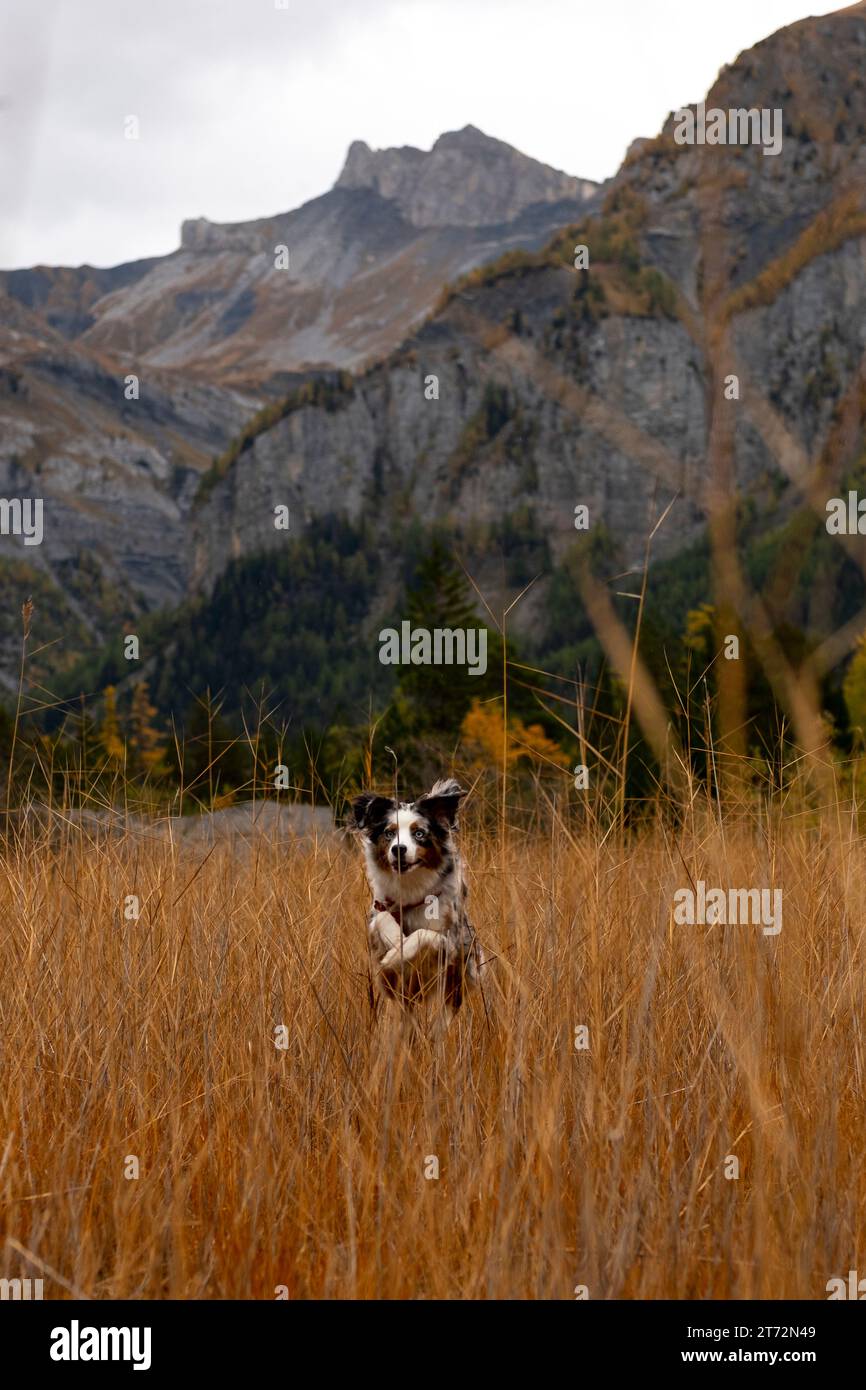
(415,834)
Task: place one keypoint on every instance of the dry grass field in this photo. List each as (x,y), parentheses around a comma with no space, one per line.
(303,1167)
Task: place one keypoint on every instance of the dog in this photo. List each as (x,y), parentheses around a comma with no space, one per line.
(419,934)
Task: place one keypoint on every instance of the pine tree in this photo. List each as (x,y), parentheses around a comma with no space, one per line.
(146,742)
(109,735)
(434,699)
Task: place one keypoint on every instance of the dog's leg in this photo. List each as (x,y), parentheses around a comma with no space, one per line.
(385,934)
(415,943)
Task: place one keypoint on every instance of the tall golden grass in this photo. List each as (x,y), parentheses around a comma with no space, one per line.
(155,1142)
(303,1169)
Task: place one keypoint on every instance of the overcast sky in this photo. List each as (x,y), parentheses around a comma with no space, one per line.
(247,109)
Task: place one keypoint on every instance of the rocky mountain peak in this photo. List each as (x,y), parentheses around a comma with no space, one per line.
(467,179)
(472,141)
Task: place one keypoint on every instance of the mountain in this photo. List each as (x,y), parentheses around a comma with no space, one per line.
(213,332)
(466,180)
(607,387)
(366,263)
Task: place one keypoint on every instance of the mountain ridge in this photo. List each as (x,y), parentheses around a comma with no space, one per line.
(556,385)
(468,178)
(203,338)
(609,370)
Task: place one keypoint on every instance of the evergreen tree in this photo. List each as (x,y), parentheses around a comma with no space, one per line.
(109,735)
(433,700)
(146,742)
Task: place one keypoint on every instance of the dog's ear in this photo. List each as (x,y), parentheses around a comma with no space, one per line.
(368,808)
(442,801)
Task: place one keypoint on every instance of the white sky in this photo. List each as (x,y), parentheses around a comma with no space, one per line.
(247,110)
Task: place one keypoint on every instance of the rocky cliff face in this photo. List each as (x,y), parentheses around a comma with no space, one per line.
(212,333)
(559,387)
(466,180)
(554,386)
(525,418)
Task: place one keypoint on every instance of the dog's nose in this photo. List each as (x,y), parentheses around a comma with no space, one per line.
(398,854)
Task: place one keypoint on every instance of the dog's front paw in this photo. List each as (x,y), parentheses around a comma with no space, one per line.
(413,945)
(385,934)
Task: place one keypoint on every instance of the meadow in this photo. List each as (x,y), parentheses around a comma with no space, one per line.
(209,1101)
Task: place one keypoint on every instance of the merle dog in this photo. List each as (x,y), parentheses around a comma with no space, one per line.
(419,933)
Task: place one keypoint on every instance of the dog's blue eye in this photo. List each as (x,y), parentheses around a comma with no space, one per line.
(420,834)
